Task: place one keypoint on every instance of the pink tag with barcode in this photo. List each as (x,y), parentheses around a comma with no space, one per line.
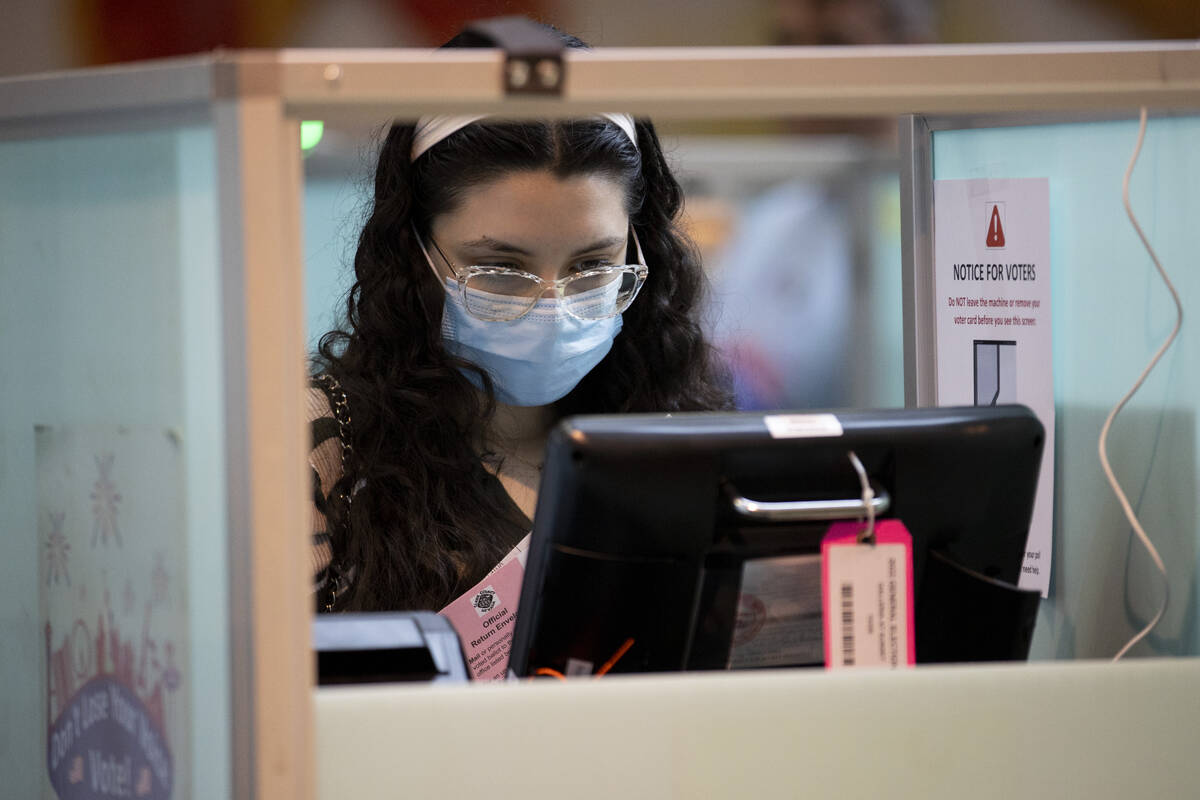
(867,596)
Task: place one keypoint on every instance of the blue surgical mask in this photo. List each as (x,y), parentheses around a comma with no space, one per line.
(534,360)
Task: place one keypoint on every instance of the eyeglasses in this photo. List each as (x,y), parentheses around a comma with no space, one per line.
(503,294)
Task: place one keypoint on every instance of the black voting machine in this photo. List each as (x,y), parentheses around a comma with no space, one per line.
(645,521)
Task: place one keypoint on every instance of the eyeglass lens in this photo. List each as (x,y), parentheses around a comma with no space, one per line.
(595,294)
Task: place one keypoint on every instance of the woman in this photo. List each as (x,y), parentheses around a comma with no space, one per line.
(509,274)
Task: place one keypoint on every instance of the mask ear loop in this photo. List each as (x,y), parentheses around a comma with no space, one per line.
(641,259)
(867,534)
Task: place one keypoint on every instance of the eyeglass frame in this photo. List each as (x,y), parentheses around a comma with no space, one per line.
(639,269)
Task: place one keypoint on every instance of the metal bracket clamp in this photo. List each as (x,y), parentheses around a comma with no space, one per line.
(533,55)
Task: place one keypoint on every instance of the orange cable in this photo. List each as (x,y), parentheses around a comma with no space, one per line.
(553,673)
(622,650)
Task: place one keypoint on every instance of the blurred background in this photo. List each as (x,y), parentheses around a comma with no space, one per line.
(798,220)
(40,35)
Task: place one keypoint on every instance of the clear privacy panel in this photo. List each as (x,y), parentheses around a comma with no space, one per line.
(1110,313)
(112,486)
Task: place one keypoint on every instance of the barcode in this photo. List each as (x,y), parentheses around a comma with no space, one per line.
(848,624)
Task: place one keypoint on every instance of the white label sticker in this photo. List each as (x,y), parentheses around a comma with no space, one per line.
(802,426)
(579,666)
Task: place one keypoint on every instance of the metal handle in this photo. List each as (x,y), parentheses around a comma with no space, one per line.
(808,510)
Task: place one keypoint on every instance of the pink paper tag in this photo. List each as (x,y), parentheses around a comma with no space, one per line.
(867,596)
(484,618)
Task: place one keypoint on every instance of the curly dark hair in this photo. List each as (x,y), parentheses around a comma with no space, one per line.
(428,520)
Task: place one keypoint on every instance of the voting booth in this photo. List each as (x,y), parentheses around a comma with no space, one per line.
(157,613)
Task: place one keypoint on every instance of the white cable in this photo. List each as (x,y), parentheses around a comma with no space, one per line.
(1112,480)
(866,535)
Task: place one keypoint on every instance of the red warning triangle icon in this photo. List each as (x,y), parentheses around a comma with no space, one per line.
(995,234)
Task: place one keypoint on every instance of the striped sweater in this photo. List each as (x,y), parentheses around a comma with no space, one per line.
(325,460)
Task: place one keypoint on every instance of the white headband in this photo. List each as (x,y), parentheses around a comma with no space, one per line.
(431,130)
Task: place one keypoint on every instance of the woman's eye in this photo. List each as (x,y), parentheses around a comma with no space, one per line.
(499,264)
(591,263)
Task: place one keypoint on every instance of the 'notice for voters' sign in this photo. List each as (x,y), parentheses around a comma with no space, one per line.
(991,268)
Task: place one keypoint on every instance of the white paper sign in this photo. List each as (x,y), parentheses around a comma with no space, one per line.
(992,295)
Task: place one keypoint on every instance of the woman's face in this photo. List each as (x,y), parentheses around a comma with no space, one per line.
(536,222)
